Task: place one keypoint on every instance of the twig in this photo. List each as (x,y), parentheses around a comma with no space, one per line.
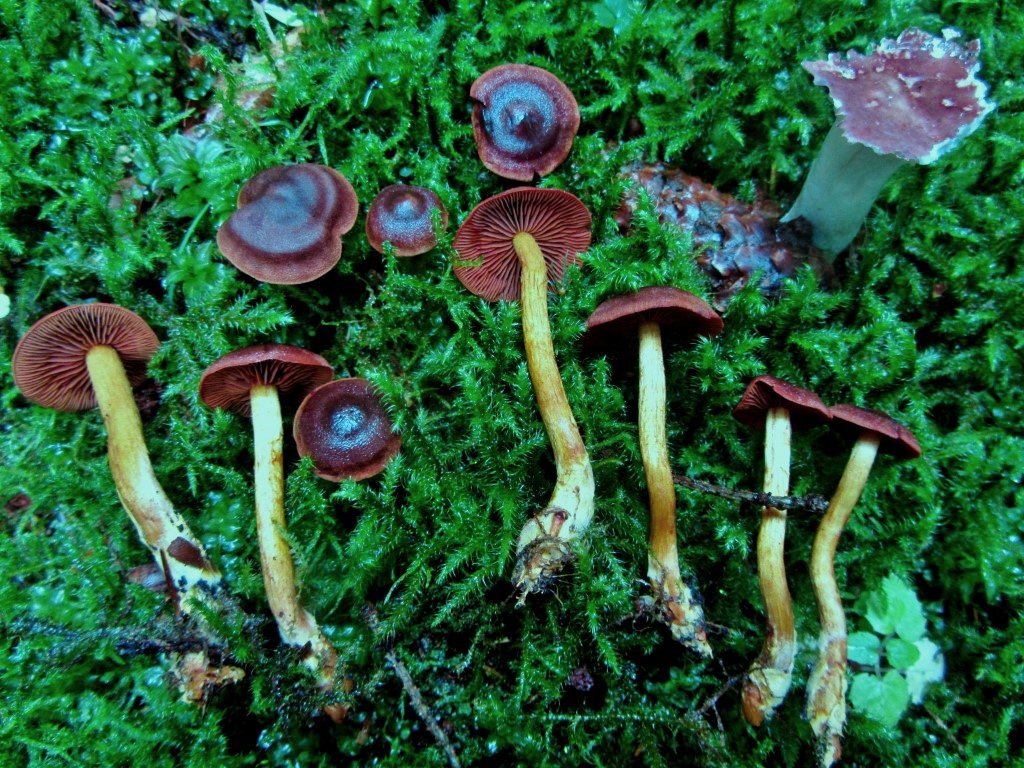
(415,697)
(813,502)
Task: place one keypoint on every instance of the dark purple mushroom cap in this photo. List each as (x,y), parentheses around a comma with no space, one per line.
(343,427)
(914,97)
(558,221)
(228,381)
(289,223)
(895,439)
(49,361)
(679,313)
(766,392)
(403,215)
(524,121)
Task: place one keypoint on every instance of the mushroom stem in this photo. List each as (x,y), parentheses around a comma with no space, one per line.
(826,685)
(296,625)
(175,548)
(684,614)
(841,186)
(769,677)
(543,547)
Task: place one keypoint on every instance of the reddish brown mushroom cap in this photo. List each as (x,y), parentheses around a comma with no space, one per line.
(343,427)
(767,392)
(403,215)
(913,97)
(895,439)
(671,308)
(228,381)
(524,121)
(557,220)
(289,223)
(49,361)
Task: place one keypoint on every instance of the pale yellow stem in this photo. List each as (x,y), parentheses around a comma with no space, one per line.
(176,550)
(673,596)
(826,685)
(543,547)
(770,676)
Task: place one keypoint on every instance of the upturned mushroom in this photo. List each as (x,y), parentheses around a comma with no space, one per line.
(644,316)
(909,100)
(776,405)
(249,382)
(524,121)
(343,427)
(289,223)
(92,354)
(402,215)
(826,687)
(510,247)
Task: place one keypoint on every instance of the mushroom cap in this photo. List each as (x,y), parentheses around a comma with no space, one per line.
(289,223)
(227,382)
(524,120)
(895,439)
(914,97)
(679,312)
(766,392)
(343,427)
(402,215)
(558,221)
(49,361)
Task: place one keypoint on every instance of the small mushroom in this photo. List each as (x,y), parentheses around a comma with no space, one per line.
(522,239)
(249,381)
(826,686)
(343,427)
(402,215)
(909,100)
(524,121)
(92,354)
(289,223)
(645,315)
(776,405)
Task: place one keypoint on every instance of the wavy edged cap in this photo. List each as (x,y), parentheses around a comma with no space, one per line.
(343,427)
(49,361)
(557,220)
(288,226)
(913,97)
(227,382)
(679,313)
(805,408)
(403,215)
(894,438)
(524,120)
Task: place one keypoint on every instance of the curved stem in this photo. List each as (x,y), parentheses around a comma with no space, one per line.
(174,547)
(771,674)
(826,686)
(296,625)
(683,613)
(543,548)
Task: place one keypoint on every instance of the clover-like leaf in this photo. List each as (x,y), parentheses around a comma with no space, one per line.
(884,698)
(905,609)
(864,648)
(900,654)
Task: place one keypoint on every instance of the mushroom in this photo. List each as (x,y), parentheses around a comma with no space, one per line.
(826,687)
(249,381)
(524,121)
(92,354)
(522,239)
(403,215)
(289,223)
(778,406)
(909,100)
(643,315)
(343,427)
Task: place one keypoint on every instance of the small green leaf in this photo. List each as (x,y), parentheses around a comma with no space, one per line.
(864,648)
(876,610)
(883,698)
(900,654)
(904,609)
(930,668)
